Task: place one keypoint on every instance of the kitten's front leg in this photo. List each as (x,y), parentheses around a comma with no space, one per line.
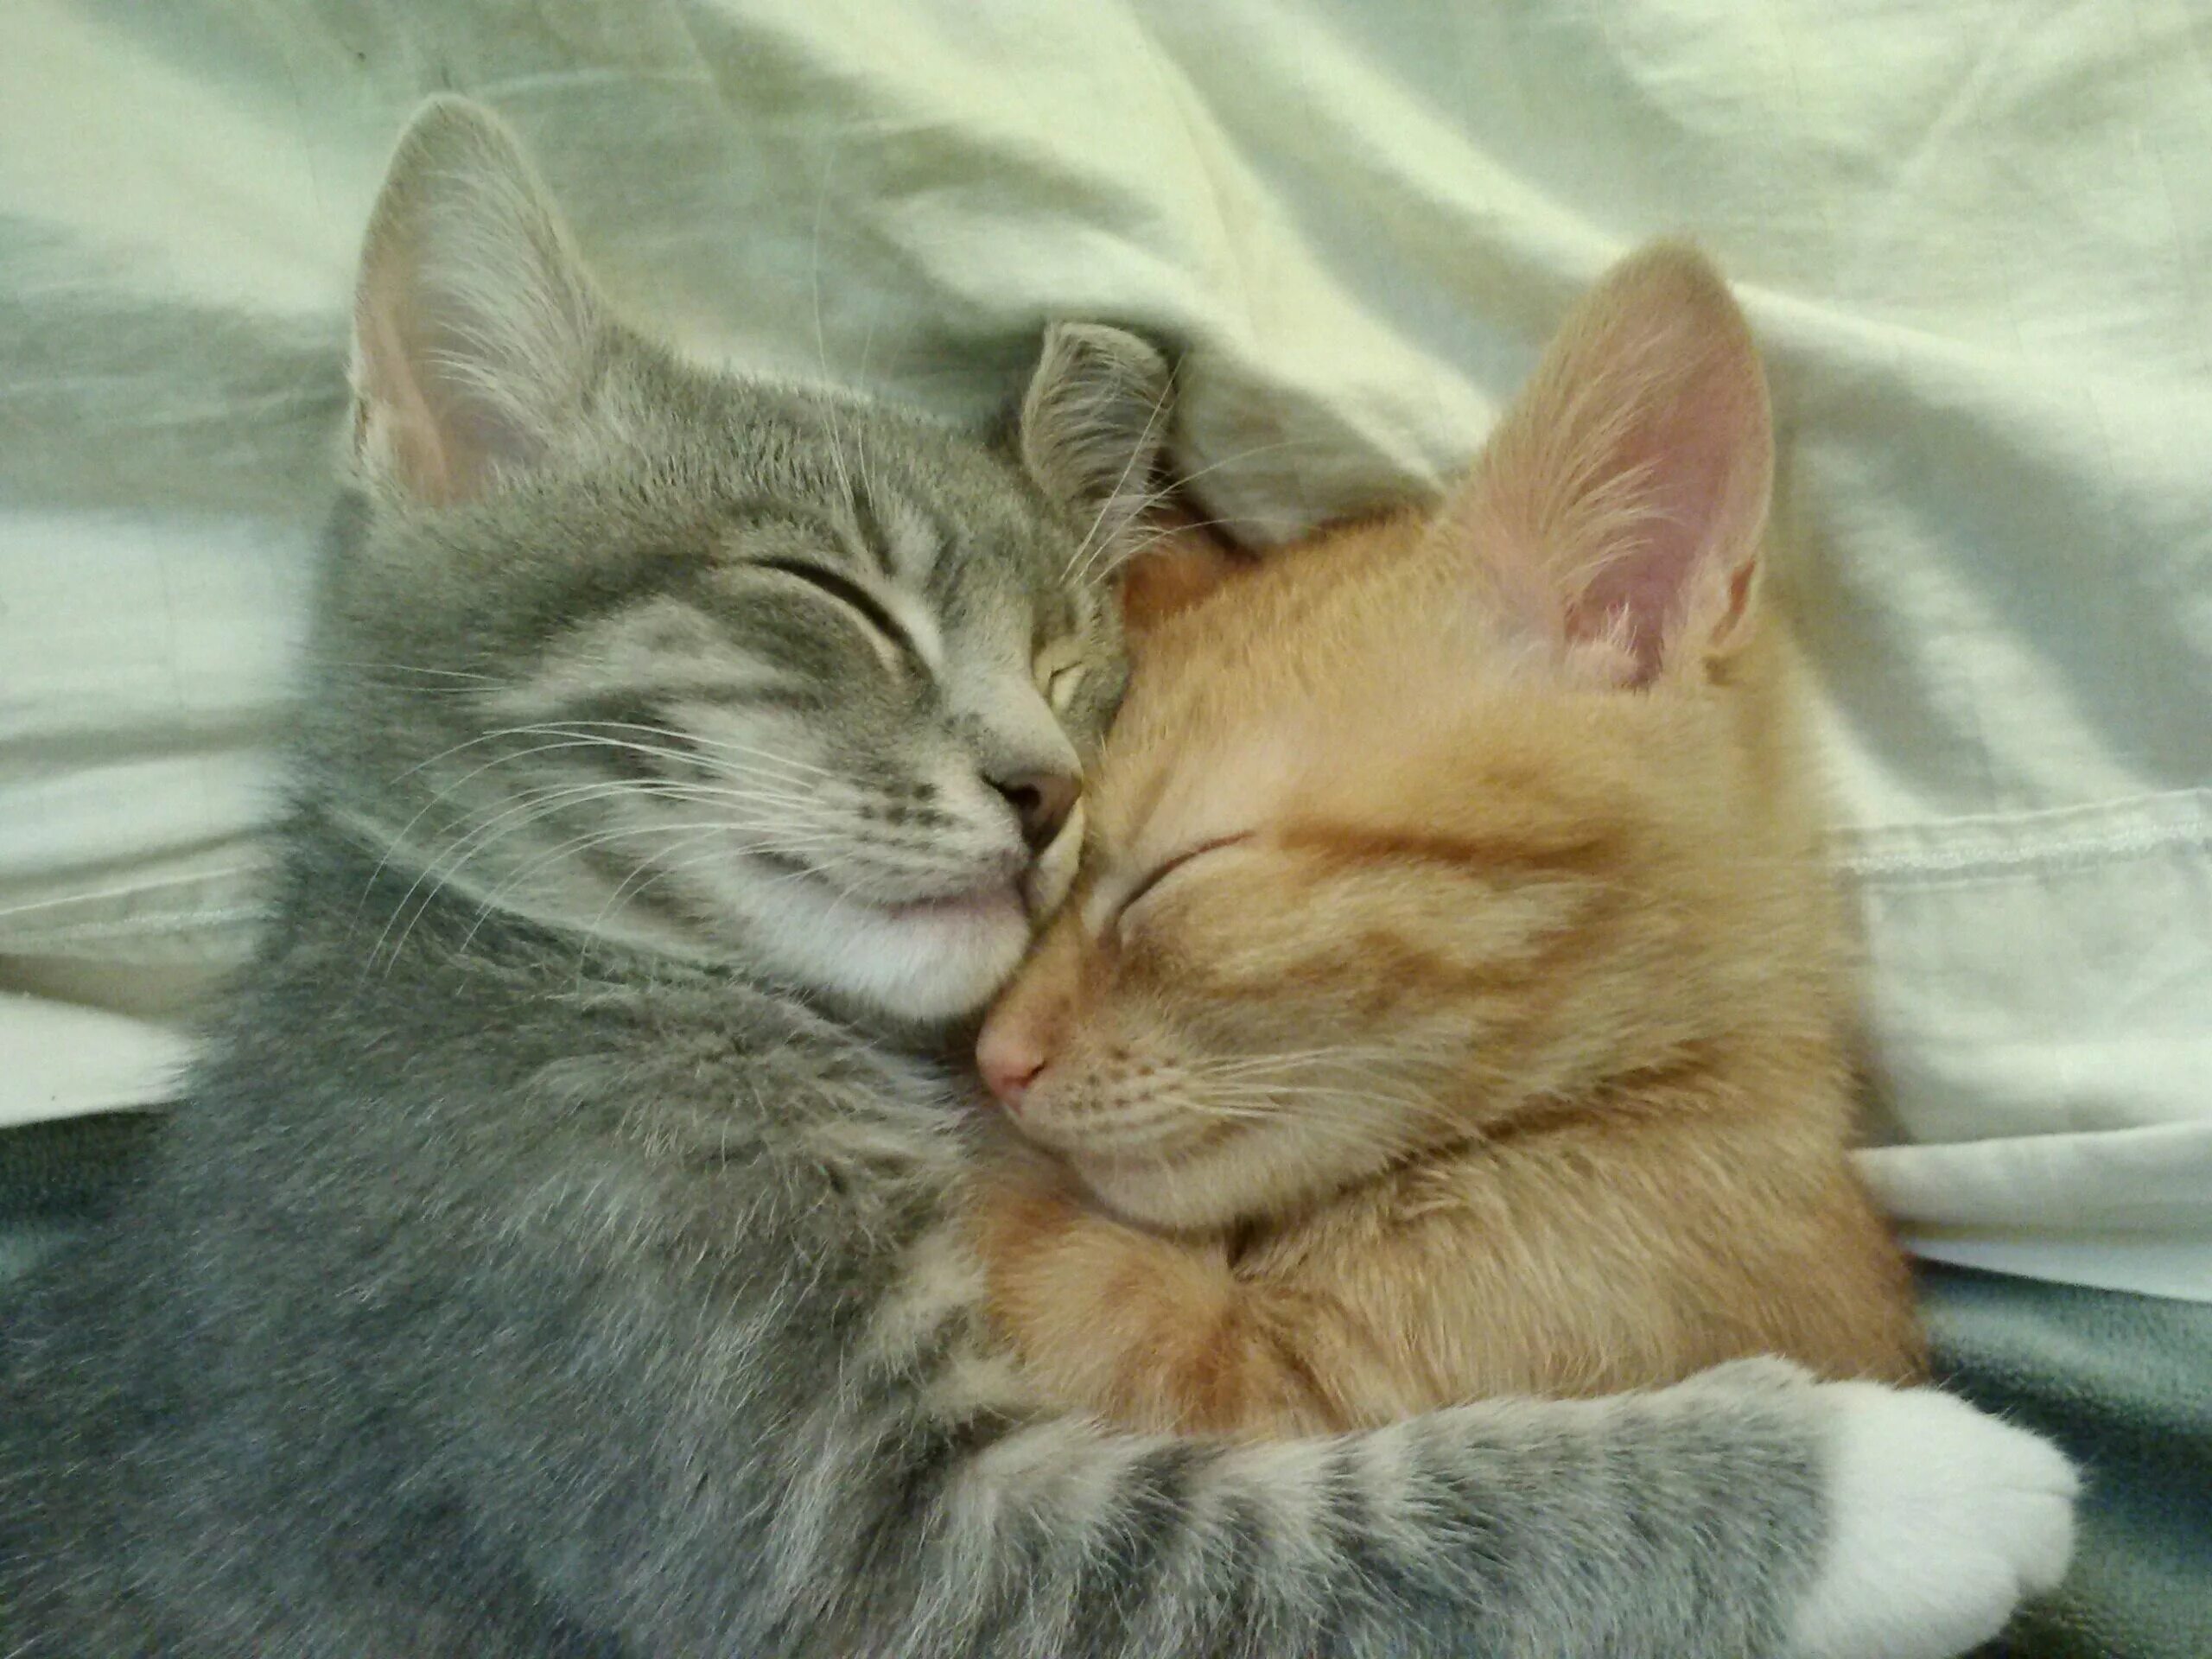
(1147,1331)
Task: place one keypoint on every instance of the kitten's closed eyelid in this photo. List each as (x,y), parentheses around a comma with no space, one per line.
(1169,866)
(1062,683)
(853,596)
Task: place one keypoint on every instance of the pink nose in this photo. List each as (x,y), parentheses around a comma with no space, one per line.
(1010,1059)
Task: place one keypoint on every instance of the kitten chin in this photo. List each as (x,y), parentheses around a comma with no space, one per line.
(930,961)
(927,961)
(1212,1183)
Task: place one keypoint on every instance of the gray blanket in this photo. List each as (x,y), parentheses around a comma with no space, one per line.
(2126,1384)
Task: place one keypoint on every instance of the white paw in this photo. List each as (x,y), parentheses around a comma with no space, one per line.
(1945,1518)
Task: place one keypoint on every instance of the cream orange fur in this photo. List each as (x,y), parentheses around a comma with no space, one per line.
(1454,1001)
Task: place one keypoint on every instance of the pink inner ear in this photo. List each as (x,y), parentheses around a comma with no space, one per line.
(1695,529)
(395,414)
(1635,467)
(474,328)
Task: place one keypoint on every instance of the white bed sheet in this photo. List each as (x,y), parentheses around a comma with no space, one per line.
(1976,240)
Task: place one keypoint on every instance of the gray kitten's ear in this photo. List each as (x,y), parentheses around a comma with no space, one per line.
(1092,423)
(474,328)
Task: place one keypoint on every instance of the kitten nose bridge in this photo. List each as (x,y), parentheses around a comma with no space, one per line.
(1041,796)
(1030,1026)
(1022,751)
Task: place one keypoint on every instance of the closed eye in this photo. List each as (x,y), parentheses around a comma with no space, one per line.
(1061,685)
(1161,872)
(851,595)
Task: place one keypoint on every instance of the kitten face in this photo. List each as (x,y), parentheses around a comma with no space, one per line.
(1435,822)
(1327,920)
(787,723)
(769,675)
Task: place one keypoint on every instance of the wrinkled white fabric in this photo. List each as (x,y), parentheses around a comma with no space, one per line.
(1975,240)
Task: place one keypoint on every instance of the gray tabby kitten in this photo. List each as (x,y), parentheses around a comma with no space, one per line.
(554,1255)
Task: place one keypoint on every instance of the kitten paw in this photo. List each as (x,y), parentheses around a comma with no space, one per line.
(1945,1519)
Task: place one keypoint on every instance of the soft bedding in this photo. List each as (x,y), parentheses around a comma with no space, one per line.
(1976,240)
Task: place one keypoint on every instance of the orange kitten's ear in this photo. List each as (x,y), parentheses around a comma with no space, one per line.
(1635,467)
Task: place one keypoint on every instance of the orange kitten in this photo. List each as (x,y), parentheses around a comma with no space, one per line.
(1452,1002)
